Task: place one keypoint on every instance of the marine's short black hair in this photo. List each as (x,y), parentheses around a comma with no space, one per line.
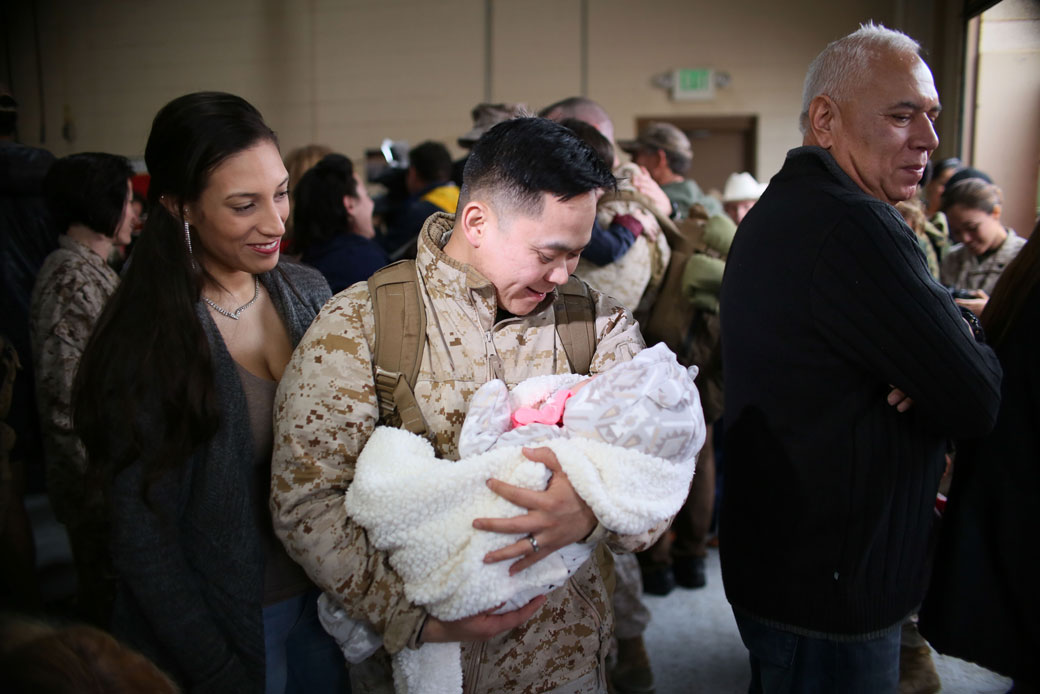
(88,189)
(518,160)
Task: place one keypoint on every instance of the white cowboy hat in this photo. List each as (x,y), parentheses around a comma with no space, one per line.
(742,186)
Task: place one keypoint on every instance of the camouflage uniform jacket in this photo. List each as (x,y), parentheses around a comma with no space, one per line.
(326,409)
(642,267)
(70,292)
(962,269)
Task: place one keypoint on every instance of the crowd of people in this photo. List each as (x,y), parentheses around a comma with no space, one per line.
(304,439)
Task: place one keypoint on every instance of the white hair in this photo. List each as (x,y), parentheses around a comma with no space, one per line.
(841,64)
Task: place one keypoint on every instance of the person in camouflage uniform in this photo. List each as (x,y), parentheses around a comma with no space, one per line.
(985,246)
(640,270)
(89,196)
(487,279)
(630,671)
(912,212)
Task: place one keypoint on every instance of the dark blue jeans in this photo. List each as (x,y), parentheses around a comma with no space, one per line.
(787,663)
(301,658)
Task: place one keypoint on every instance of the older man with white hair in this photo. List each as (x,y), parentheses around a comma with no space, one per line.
(847,368)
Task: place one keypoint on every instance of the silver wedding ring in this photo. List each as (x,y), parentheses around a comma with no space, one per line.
(534,542)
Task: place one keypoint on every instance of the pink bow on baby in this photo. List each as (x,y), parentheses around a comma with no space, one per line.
(551,412)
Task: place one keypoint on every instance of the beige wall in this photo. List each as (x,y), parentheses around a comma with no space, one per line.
(348,73)
(1007,107)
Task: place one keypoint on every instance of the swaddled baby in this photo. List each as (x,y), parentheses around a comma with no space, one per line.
(627,440)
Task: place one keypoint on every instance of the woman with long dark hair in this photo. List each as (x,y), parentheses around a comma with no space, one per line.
(174,403)
(983,604)
(333,223)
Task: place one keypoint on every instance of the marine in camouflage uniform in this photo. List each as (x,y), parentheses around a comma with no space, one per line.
(326,409)
(70,292)
(640,270)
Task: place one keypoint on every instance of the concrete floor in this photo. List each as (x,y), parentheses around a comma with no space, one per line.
(695,648)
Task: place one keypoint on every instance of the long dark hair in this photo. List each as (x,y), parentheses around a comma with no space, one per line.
(145,390)
(319,214)
(1016,283)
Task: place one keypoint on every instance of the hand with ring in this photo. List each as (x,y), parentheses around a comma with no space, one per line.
(557,515)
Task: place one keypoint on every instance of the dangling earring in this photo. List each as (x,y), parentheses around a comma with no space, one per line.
(187,236)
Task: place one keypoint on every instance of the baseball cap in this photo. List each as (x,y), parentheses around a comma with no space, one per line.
(659,136)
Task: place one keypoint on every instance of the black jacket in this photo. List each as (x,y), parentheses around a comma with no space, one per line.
(828,494)
(27,236)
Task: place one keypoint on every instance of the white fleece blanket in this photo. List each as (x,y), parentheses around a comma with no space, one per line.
(420,509)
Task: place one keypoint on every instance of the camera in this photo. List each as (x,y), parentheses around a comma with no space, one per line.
(386,161)
(958,293)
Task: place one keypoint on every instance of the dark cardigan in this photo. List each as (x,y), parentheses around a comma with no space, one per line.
(191,568)
(828,495)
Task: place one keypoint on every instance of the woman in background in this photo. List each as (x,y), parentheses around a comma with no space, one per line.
(983,604)
(89,197)
(973,207)
(297,163)
(333,224)
(174,404)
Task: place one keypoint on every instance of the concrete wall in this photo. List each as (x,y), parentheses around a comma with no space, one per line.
(1007,108)
(348,73)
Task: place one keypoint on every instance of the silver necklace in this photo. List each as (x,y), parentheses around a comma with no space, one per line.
(233,315)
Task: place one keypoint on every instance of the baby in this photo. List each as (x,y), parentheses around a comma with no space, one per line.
(627,440)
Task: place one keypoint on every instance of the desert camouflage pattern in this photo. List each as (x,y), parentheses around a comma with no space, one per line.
(70,291)
(642,268)
(326,409)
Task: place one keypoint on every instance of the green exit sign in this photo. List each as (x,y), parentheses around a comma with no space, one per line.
(697,83)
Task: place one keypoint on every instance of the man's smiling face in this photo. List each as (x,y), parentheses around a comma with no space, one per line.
(527,255)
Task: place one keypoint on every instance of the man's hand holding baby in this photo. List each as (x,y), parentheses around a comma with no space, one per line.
(556,517)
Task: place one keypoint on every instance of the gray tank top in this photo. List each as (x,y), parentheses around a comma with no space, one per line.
(283,578)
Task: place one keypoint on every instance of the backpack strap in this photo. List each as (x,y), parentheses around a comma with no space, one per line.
(400,327)
(400,337)
(576,323)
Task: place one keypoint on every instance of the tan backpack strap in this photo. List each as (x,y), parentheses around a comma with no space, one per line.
(400,327)
(576,324)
